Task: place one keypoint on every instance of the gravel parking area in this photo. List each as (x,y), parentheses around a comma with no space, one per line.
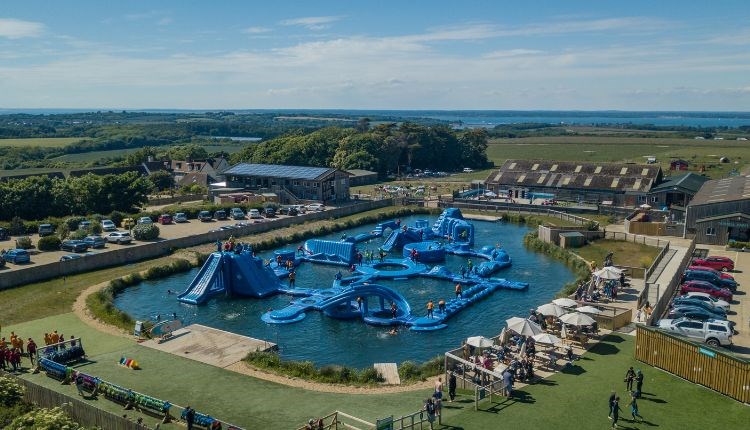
(169,231)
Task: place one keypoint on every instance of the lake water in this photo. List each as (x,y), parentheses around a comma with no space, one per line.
(325,340)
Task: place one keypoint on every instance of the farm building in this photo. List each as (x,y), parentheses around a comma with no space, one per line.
(678,165)
(619,183)
(676,191)
(720,212)
(292,184)
(362,177)
(212,168)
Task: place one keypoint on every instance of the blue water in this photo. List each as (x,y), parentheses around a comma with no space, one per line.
(325,340)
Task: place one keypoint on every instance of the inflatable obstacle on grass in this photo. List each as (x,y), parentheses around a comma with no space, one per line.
(129,363)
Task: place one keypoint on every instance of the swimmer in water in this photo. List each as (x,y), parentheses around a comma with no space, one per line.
(394,331)
(170,292)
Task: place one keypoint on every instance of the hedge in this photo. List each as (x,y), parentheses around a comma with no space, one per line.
(49,243)
(580,268)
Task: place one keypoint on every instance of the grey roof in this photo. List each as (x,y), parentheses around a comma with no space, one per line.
(361,172)
(278,171)
(723,190)
(576,175)
(689,182)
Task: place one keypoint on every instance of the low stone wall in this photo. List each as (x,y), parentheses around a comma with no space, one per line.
(176,199)
(144,251)
(552,234)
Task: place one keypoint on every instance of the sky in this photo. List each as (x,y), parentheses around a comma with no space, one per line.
(517,55)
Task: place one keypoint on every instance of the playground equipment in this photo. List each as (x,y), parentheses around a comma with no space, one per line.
(359,296)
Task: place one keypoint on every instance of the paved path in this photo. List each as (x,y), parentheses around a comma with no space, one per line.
(389,372)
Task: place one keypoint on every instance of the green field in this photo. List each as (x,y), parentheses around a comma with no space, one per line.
(89,157)
(50,142)
(625,149)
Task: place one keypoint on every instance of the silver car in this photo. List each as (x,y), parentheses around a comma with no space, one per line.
(713,332)
(119,237)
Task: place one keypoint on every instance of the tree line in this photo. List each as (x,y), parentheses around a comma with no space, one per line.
(385,148)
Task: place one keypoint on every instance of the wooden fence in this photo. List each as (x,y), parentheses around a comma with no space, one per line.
(700,364)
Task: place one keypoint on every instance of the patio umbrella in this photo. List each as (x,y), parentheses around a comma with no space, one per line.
(514,320)
(551,309)
(547,339)
(479,342)
(565,302)
(589,310)
(524,327)
(503,335)
(577,319)
(608,272)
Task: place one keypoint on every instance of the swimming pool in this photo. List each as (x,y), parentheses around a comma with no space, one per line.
(324,340)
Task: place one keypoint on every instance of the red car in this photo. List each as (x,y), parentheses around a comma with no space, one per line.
(165,219)
(722,275)
(706,287)
(718,263)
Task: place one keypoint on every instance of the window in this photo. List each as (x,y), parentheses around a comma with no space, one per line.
(553,168)
(615,182)
(521,178)
(654,199)
(587,182)
(566,181)
(644,172)
(578,169)
(598,169)
(624,170)
(512,166)
(690,324)
(541,179)
(710,231)
(535,166)
(716,327)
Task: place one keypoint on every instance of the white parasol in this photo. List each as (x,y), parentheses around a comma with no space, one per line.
(524,327)
(577,319)
(479,342)
(608,272)
(589,310)
(503,335)
(551,309)
(565,302)
(547,339)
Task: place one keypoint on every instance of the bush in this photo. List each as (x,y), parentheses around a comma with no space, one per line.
(52,419)
(79,234)
(145,232)
(117,217)
(10,391)
(24,242)
(49,243)
(72,222)
(63,231)
(16,226)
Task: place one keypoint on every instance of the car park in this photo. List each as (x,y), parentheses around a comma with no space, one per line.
(702,275)
(220,215)
(145,220)
(95,241)
(288,210)
(180,217)
(254,213)
(269,212)
(706,287)
(692,301)
(46,230)
(119,237)
(108,225)
(237,213)
(17,256)
(708,298)
(74,246)
(723,275)
(68,257)
(715,262)
(165,219)
(205,216)
(312,207)
(695,313)
(712,332)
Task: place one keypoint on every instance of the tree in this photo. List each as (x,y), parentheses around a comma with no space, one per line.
(146,232)
(189,152)
(363,125)
(162,180)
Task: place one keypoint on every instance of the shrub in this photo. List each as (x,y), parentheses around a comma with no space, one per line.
(117,217)
(49,243)
(72,222)
(63,231)
(24,242)
(54,418)
(79,234)
(16,226)
(145,232)
(10,391)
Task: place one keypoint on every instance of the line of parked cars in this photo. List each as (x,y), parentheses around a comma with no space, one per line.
(700,311)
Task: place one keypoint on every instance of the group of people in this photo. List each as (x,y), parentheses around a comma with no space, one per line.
(231,245)
(433,406)
(631,376)
(11,352)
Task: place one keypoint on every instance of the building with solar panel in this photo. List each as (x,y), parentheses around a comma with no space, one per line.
(720,212)
(293,184)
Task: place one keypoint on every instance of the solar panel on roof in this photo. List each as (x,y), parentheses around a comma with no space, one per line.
(275,170)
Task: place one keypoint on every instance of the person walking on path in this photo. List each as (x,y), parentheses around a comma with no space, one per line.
(430,309)
(634,407)
(638,383)
(615,412)
(629,378)
(452,387)
(611,403)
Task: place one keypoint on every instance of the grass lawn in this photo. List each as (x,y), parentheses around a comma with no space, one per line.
(625,253)
(56,296)
(51,142)
(574,399)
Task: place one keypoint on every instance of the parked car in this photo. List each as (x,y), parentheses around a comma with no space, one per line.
(4,234)
(95,241)
(17,256)
(702,275)
(237,213)
(74,246)
(723,275)
(165,219)
(300,208)
(68,257)
(205,216)
(695,313)
(180,217)
(708,298)
(468,170)
(289,210)
(312,207)
(269,212)
(108,225)
(682,301)
(220,215)
(712,332)
(128,223)
(46,230)
(119,237)
(715,262)
(254,213)
(706,287)
(145,220)
(83,225)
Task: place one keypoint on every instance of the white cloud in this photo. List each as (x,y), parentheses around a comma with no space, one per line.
(17,28)
(312,22)
(256,30)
